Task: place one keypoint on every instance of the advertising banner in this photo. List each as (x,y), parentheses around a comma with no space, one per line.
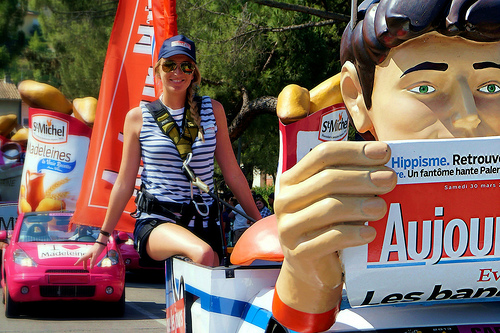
(175,304)
(50,251)
(439,241)
(55,158)
(8,215)
(217,299)
(127,82)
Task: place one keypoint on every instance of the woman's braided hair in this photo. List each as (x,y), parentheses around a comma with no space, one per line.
(191,101)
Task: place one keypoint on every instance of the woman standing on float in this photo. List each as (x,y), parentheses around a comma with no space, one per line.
(156,237)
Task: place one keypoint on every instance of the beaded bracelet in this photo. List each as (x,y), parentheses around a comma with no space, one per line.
(100,243)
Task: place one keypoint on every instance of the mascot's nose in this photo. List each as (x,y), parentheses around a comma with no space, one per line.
(465,116)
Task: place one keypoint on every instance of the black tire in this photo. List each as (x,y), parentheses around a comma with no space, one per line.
(12,309)
(2,275)
(118,308)
(4,296)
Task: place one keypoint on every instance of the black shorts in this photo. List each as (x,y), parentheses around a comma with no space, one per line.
(211,235)
(142,231)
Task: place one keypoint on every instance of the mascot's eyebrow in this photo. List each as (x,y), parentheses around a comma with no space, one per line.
(486,64)
(427,66)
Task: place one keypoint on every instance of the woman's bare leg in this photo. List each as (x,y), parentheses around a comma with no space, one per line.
(169,239)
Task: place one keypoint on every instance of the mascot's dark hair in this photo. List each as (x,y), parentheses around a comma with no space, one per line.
(384,24)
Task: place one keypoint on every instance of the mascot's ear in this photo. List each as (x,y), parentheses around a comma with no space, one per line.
(352,95)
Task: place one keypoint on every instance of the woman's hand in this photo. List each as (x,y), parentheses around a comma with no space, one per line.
(92,255)
(323,203)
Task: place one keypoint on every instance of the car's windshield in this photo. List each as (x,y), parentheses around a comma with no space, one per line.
(54,227)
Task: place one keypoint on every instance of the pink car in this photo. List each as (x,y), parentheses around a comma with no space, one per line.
(38,264)
(130,256)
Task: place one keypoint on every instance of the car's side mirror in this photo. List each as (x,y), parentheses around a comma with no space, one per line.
(122,237)
(3,235)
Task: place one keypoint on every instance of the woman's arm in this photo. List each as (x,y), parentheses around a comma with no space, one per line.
(127,175)
(229,166)
(125,182)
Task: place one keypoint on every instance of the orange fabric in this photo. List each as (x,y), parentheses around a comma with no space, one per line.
(302,321)
(260,241)
(124,85)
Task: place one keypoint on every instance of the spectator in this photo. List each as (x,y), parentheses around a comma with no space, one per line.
(228,221)
(240,223)
(262,206)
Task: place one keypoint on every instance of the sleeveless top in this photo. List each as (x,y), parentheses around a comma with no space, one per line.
(162,165)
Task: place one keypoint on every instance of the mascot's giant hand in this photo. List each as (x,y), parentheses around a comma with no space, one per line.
(323,203)
(321,208)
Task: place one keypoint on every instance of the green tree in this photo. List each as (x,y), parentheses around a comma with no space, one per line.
(38,62)
(78,32)
(12,40)
(249,51)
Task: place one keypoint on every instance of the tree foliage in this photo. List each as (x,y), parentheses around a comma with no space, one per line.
(12,40)
(248,51)
(78,32)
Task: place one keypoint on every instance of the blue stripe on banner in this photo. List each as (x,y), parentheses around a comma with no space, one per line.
(216,304)
(258,316)
(231,307)
(442,262)
(417,263)
(459,261)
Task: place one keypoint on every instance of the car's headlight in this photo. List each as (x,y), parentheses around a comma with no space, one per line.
(21,258)
(112,258)
(130,242)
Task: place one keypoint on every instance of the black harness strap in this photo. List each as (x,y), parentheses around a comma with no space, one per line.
(184,137)
(180,213)
(183,140)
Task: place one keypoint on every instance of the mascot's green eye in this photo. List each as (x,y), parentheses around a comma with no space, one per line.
(423,89)
(490,88)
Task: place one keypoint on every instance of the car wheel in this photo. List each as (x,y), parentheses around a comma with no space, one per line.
(11,307)
(118,308)
(3,279)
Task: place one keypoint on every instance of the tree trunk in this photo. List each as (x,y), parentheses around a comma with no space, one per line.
(248,112)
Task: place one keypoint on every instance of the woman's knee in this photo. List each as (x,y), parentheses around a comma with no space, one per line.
(202,254)
(169,239)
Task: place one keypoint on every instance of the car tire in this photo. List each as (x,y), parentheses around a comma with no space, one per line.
(3,277)
(118,308)
(4,295)
(11,308)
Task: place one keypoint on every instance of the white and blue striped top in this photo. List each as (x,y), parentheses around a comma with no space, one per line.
(162,174)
